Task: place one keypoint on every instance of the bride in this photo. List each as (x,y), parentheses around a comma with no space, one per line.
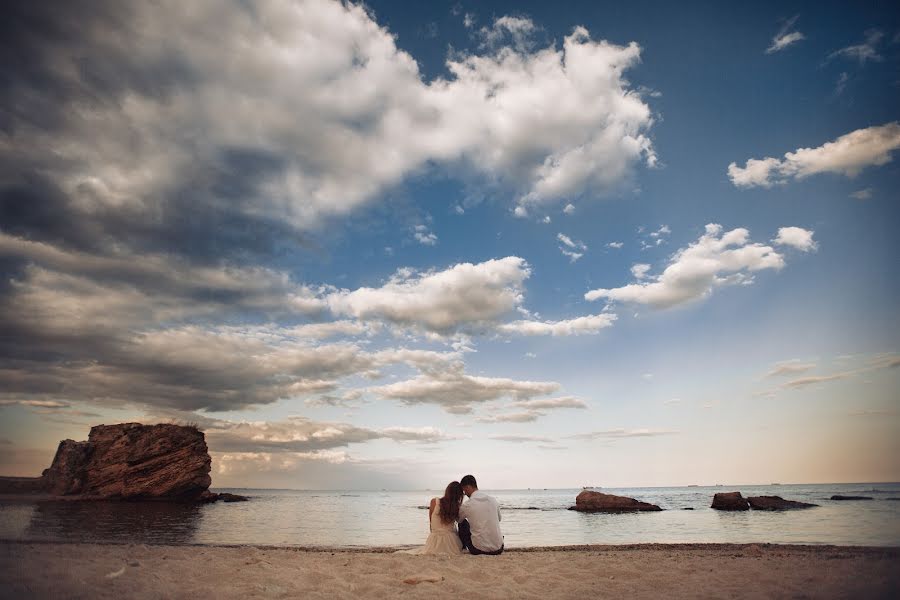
(442,516)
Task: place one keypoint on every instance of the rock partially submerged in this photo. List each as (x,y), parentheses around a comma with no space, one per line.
(730,501)
(839,497)
(775,503)
(588,501)
(128,461)
(131,461)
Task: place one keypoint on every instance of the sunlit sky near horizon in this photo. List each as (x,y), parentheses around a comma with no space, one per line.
(384,245)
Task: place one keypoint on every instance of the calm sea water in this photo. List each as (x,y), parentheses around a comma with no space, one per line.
(530,518)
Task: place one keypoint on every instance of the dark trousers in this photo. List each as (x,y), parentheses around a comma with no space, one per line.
(465,535)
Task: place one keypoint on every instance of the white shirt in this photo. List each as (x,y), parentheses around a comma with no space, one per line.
(483,513)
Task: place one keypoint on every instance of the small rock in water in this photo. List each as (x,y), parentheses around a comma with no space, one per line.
(730,501)
(839,497)
(776,503)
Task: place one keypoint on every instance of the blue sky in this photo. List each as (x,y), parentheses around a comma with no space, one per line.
(385,245)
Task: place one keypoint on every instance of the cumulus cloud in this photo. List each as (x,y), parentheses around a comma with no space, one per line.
(590,324)
(863,194)
(456,392)
(463,296)
(717,259)
(196,111)
(300,434)
(785,37)
(615,245)
(847,155)
(569,209)
(639,271)
(797,237)
(864,51)
(516,31)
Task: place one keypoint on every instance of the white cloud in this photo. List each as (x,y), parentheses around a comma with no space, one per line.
(570,243)
(797,237)
(521,439)
(847,155)
(587,325)
(785,37)
(574,249)
(841,84)
(423,236)
(864,51)
(654,238)
(615,245)
(318,331)
(863,194)
(464,295)
(717,259)
(782,42)
(542,123)
(551,403)
(569,209)
(516,30)
(573,256)
(790,367)
(639,271)
(622,433)
(456,391)
(527,416)
(300,434)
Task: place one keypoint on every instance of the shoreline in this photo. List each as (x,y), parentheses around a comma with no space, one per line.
(637,571)
(721,546)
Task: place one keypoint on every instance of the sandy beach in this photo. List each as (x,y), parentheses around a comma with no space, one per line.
(51,570)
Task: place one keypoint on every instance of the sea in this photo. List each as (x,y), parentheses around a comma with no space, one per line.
(532,517)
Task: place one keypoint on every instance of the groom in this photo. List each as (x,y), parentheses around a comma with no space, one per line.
(479,520)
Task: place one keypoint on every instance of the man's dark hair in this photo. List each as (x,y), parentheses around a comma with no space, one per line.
(468,480)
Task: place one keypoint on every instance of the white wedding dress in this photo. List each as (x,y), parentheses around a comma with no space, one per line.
(444,537)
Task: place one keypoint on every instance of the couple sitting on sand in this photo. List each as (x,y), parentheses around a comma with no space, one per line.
(478,518)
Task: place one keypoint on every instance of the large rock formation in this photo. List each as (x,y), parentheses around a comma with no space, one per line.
(588,501)
(730,501)
(775,503)
(131,461)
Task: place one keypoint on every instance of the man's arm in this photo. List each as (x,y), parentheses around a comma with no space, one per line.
(462,512)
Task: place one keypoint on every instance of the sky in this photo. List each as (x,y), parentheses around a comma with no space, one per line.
(383,245)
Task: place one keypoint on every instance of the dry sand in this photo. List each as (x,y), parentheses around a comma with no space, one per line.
(39,570)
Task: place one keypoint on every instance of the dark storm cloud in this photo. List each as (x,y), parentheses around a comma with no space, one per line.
(66,66)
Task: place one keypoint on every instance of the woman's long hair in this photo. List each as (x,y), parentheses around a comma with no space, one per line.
(453,497)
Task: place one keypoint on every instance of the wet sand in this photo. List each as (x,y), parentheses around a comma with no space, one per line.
(54,570)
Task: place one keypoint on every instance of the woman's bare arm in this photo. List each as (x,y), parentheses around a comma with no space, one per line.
(430,511)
